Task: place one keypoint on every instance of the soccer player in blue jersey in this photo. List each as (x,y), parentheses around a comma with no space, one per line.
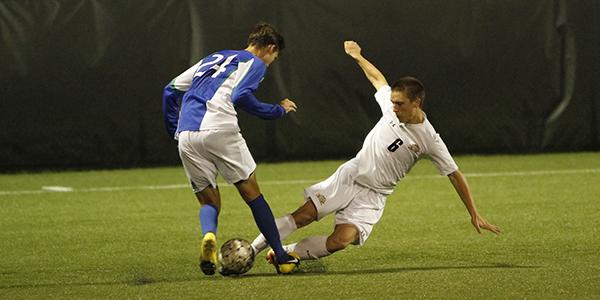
(200,112)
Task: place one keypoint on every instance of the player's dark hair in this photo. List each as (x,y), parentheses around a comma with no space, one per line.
(411,87)
(264,34)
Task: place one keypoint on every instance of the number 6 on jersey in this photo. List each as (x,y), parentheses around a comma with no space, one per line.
(395,145)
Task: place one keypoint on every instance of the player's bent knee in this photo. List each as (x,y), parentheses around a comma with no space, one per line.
(248,190)
(305,214)
(342,236)
(304,217)
(249,196)
(302,220)
(209,196)
(337,243)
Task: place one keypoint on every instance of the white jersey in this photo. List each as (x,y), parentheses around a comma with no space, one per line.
(392,148)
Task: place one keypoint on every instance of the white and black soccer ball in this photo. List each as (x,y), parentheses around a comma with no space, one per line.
(236,257)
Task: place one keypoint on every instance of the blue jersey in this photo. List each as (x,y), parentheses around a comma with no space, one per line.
(205,96)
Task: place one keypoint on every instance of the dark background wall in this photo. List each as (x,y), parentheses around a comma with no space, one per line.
(81,80)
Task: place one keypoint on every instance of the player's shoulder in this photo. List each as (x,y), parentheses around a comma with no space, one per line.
(243,55)
(384,88)
(383,95)
(428,126)
(383,91)
(227,53)
(427,130)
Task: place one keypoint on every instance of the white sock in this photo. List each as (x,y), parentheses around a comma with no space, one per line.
(285,225)
(312,247)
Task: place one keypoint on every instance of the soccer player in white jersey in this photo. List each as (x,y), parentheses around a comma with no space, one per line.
(357,191)
(199,111)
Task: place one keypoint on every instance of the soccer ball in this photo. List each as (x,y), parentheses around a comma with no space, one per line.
(236,257)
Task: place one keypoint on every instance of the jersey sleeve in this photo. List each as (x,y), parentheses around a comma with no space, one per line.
(243,94)
(171,103)
(250,104)
(440,156)
(383,97)
(172,95)
(183,82)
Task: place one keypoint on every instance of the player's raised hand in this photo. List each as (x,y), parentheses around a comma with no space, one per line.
(479,223)
(288,105)
(352,48)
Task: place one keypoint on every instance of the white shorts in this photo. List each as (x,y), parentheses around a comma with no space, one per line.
(204,153)
(352,203)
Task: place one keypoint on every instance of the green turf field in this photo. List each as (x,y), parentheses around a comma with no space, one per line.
(134,234)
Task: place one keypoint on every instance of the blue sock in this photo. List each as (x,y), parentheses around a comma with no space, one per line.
(208,218)
(266,224)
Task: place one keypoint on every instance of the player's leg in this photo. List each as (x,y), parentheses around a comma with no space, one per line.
(210,204)
(354,223)
(314,247)
(322,199)
(234,161)
(202,174)
(342,236)
(263,216)
(304,215)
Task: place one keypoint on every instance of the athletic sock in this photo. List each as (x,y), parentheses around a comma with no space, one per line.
(263,216)
(285,225)
(312,247)
(208,218)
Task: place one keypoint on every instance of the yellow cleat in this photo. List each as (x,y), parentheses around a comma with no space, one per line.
(208,254)
(286,267)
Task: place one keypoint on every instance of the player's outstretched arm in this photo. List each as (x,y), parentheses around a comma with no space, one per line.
(462,188)
(249,103)
(373,74)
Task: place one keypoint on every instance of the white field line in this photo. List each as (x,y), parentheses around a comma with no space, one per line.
(62,189)
(57,189)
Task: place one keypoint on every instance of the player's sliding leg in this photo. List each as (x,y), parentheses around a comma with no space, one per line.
(266,224)
(263,216)
(287,224)
(210,203)
(314,247)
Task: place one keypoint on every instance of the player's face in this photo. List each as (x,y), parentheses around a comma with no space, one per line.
(405,109)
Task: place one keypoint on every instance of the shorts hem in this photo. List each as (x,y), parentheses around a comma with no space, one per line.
(311,197)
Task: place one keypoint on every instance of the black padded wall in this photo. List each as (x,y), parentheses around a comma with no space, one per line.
(81,80)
